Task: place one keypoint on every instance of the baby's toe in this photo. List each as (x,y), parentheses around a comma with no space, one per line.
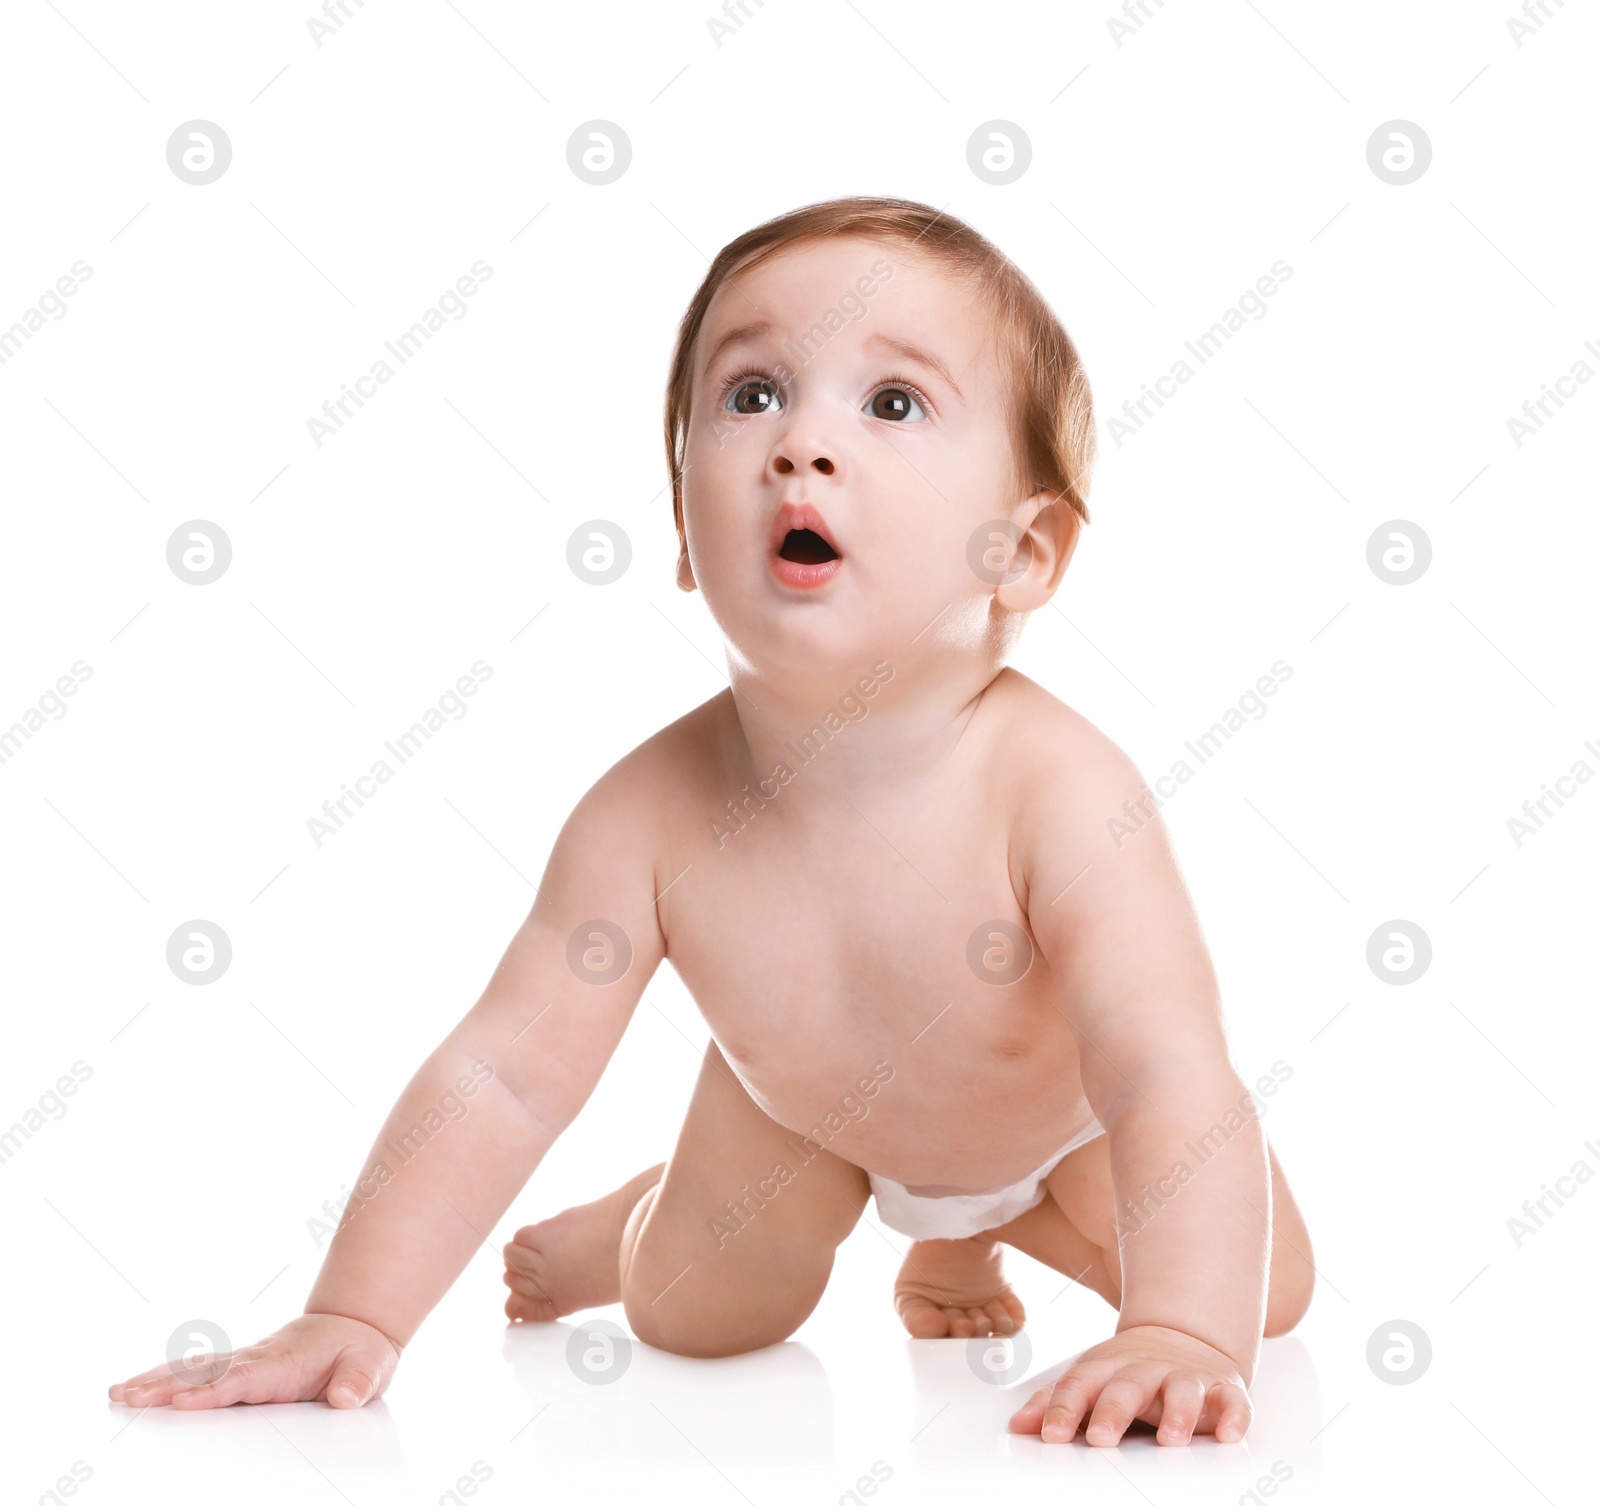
(923,1319)
(1006,1313)
(965,1321)
(991,1319)
(527,1302)
(994,1319)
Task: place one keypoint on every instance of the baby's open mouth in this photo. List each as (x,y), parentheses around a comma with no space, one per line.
(803,547)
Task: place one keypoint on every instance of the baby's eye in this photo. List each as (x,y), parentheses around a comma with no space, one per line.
(896,403)
(754,396)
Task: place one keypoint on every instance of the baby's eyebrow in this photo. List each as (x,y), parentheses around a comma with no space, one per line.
(737,336)
(916,353)
(764,327)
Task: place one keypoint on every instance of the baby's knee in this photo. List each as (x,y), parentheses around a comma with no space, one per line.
(704,1330)
(706,1309)
(1288,1296)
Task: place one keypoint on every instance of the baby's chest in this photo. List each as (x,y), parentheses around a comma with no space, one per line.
(818,955)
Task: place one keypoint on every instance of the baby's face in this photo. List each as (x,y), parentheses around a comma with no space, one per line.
(889,427)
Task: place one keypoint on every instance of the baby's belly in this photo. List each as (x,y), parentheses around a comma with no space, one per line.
(975,1109)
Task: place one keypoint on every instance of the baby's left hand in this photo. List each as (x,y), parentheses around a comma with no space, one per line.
(1159,1375)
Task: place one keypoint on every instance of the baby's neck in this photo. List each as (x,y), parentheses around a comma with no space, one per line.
(839,740)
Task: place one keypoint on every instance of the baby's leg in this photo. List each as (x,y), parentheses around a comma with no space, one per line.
(697,1276)
(566,1263)
(732,1249)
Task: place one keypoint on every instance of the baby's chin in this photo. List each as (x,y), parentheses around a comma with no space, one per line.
(825,647)
(808,650)
(810,641)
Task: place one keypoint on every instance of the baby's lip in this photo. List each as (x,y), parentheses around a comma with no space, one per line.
(793,515)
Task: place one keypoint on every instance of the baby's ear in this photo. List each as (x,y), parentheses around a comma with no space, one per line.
(1051,528)
(685,570)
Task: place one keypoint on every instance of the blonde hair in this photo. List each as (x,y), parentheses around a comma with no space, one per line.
(1051,412)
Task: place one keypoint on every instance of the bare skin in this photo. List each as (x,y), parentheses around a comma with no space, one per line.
(946,1288)
(930,916)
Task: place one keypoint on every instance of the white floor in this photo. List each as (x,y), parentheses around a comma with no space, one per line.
(848,1397)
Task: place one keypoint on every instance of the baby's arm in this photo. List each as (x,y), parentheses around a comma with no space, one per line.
(1137,984)
(530,1052)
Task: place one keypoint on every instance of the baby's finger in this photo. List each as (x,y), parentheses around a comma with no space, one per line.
(1229,1404)
(357,1378)
(155,1392)
(1026,1418)
(1128,1393)
(1070,1399)
(143,1378)
(247,1380)
(157,1387)
(1183,1398)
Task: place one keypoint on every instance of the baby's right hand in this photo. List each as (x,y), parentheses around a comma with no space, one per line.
(313,1357)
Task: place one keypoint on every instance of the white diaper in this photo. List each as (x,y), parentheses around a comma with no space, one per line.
(959,1215)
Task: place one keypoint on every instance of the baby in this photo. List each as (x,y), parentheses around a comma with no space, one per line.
(882,864)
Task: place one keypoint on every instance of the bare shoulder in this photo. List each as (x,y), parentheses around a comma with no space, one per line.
(1051,749)
(1072,788)
(642,785)
(621,821)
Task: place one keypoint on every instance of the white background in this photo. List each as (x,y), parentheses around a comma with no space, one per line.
(1230,532)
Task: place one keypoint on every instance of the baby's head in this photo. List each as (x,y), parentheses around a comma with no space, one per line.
(876,372)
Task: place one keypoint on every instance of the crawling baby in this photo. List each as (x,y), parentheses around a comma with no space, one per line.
(880,862)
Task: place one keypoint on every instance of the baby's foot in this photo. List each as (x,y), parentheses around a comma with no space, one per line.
(569,1262)
(953,1288)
